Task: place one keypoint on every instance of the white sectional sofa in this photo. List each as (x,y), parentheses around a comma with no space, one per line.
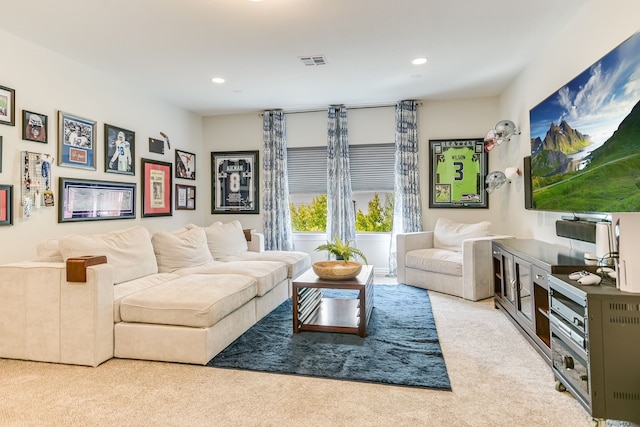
(176,296)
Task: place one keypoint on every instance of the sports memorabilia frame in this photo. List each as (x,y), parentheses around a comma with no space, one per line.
(234,182)
(84,200)
(185,197)
(185,165)
(76,142)
(35,127)
(457,172)
(7,106)
(119,150)
(6,204)
(157,188)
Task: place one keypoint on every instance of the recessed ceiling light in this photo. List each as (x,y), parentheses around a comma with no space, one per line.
(218,80)
(419,61)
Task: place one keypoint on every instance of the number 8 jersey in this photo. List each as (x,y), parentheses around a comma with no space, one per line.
(235,177)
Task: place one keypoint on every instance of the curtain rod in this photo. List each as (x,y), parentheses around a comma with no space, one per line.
(348,108)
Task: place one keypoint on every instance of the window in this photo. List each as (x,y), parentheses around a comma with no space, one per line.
(372,179)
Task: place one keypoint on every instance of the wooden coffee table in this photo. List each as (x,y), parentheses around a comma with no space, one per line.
(314,312)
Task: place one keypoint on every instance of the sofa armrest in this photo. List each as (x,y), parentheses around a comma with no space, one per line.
(477,267)
(256,244)
(406,242)
(44,317)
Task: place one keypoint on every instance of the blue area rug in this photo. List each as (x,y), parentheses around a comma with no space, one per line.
(401,347)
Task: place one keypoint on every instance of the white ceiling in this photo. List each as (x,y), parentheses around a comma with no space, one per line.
(172,48)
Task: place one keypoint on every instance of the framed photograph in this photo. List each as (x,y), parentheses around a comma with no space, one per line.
(119,150)
(185,197)
(234,183)
(35,126)
(457,171)
(76,142)
(7,106)
(85,200)
(6,204)
(185,165)
(0,153)
(156,188)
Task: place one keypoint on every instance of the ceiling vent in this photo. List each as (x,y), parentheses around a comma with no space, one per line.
(313,61)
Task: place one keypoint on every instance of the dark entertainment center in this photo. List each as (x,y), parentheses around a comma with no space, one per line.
(589,335)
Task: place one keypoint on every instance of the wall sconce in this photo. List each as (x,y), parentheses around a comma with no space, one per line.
(502,132)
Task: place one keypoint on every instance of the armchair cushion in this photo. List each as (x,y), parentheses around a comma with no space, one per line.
(436,260)
(450,235)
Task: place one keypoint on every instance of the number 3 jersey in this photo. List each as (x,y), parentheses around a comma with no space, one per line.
(234,176)
(460,167)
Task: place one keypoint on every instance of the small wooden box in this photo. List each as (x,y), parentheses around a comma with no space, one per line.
(77,267)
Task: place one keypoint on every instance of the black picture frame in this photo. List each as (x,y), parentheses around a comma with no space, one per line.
(235,182)
(91,200)
(35,127)
(157,188)
(6,204)
(0,153)
(119,150)
(185,165)
(185,197)
(76,142)
(7,106)
(457,172)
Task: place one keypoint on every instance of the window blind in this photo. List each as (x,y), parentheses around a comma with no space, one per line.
(371,168)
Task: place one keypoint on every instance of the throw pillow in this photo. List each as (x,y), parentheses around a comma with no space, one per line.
(450,235)
(49,251)
(226,239)
(183,248)
(129,251)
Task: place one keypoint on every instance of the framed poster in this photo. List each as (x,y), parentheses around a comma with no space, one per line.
(84,200)
(156,188)
(34,126)
(6,204)
(76,142)
(119,150)
(457,171)
(234,182)
(185,165)
(185,197)
(7,106)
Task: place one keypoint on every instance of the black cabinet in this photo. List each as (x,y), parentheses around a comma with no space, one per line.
(521,267)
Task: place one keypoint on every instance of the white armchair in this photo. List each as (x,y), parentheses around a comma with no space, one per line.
(454,259)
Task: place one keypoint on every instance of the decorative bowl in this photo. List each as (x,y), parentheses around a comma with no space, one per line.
(337,270)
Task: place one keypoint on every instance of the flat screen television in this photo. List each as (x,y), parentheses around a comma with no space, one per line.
(585,139)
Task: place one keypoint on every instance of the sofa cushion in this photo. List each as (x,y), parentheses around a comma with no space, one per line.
(129,251)
(450,235)
(297,262)
(268,274)
(125,289)
(196,300)
(435,260)
(49,251)
(226,239)
(182,248)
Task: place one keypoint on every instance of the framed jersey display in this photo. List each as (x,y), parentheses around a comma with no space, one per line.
(457,171)
(234,185)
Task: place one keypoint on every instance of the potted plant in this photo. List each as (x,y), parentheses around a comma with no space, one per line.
(344,266)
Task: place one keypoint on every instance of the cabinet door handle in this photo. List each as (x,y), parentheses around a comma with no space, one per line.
(539,276)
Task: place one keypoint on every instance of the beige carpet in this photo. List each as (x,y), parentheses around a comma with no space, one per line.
(496,377)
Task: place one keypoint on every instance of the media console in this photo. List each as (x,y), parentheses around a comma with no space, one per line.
(588,334)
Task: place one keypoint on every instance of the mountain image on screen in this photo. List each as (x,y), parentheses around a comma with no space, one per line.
(570,174)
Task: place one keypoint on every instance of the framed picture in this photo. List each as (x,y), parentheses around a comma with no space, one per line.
(234,183)
(156,146)
(0,153)
(7,106)
(6,204)
(76,142)
(156,188)
(119,150)
(35,127)
(185,197)
(84,200)
(457,171)
(185,165)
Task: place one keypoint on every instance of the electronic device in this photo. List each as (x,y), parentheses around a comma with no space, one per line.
(608,271)
(585,277)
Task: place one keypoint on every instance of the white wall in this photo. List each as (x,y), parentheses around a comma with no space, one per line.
(46,83)
(594,31)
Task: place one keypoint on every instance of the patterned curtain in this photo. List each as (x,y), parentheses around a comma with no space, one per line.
(275,188)
(407,205)
(341,220)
